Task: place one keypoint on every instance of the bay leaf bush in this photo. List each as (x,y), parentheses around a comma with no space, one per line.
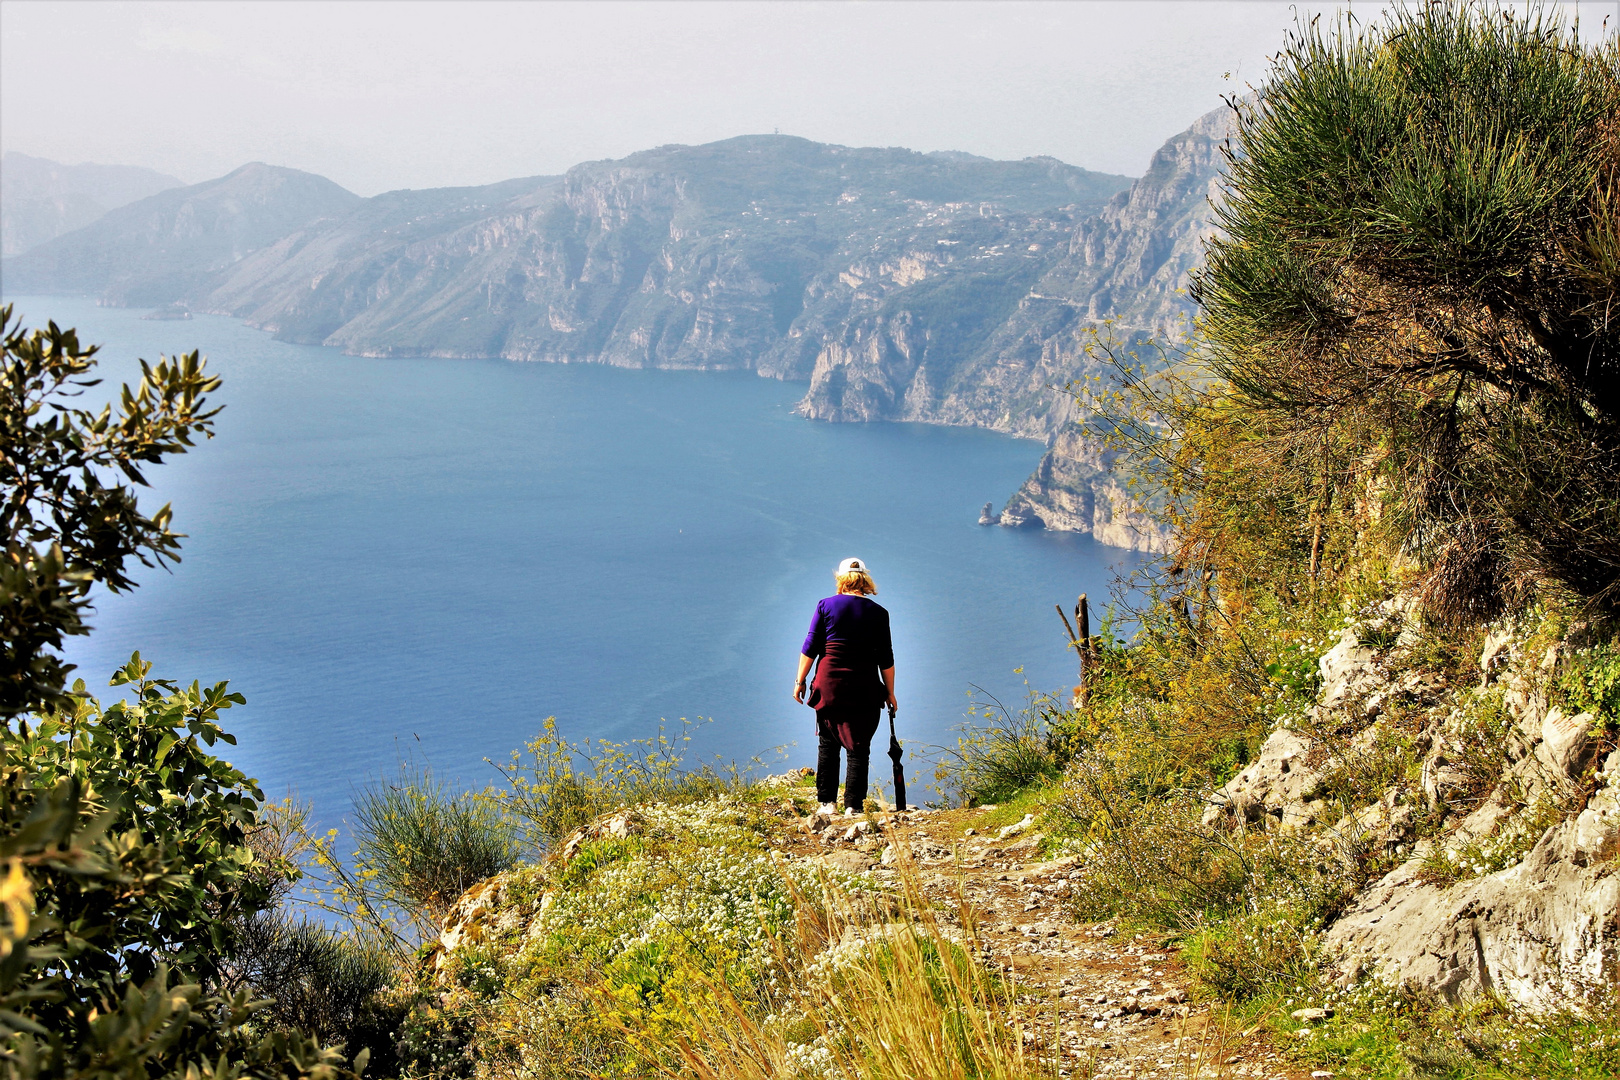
(126,851)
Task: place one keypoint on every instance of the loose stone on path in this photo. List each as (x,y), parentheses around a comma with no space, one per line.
(1112,1003)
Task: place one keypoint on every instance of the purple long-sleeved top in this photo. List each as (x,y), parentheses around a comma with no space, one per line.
(857,622)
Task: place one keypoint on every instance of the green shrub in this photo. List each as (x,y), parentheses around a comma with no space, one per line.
(69,518)
(128,878)
(1250,954)
(322,983)
(424,843)
(1147,856)
(1008,752)
(1590,682)
(127,896)
(1476,744)
(1382,1034)
(127,866)
(1357,773)
(1505,847)
(418,845)
(1413,206)
(558,786)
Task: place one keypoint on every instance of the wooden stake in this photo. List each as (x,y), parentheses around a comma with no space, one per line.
(1079,648)
(1074,641)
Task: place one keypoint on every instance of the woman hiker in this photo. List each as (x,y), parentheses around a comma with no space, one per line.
(854,680)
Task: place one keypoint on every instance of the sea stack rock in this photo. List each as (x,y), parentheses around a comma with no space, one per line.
(986,517)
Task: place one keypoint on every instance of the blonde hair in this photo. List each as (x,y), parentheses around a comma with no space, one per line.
(856,581)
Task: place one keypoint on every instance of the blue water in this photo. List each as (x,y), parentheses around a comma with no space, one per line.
(426,558)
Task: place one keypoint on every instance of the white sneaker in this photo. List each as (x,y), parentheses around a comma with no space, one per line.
(849,811)
(829,809)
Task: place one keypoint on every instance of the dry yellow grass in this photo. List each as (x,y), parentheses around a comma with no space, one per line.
(890,993)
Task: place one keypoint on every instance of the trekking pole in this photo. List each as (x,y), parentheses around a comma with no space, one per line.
(899,770)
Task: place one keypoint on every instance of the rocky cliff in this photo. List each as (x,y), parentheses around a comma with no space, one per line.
(748,253)
(1075,488)
(1126,267)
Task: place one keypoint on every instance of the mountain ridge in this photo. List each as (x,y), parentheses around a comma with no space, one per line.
(42,199)
(937,287)
(678,256)
(156,250)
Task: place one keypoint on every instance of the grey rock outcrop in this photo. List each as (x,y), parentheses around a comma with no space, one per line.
(1564,741)
(1348,670)
(1273,784)
(1541,933)
(1517,892)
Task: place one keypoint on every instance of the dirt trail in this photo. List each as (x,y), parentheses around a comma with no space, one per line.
(1121,1000)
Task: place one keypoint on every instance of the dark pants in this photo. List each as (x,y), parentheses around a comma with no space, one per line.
(854,778)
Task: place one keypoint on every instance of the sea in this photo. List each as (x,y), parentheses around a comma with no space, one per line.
(418,561)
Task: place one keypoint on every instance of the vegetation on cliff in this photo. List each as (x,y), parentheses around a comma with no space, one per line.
(1418,256)
(1356,756)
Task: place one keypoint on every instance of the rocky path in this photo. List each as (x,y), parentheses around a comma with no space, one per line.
(1114,1003)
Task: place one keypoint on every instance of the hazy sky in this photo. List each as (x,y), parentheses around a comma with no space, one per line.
(382,95)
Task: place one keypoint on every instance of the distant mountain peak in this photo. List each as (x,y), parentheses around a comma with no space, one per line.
(261,168)
(261,174)
(155,250)
(41,199)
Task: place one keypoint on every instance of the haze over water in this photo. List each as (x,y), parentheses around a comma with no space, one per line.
(429,557)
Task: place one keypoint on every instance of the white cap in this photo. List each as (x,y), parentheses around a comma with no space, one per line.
(852,566)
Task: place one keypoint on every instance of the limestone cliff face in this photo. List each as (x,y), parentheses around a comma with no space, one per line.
(874,370)
(1075,489)
(1131,263)
(1127,266)
(1004,377)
